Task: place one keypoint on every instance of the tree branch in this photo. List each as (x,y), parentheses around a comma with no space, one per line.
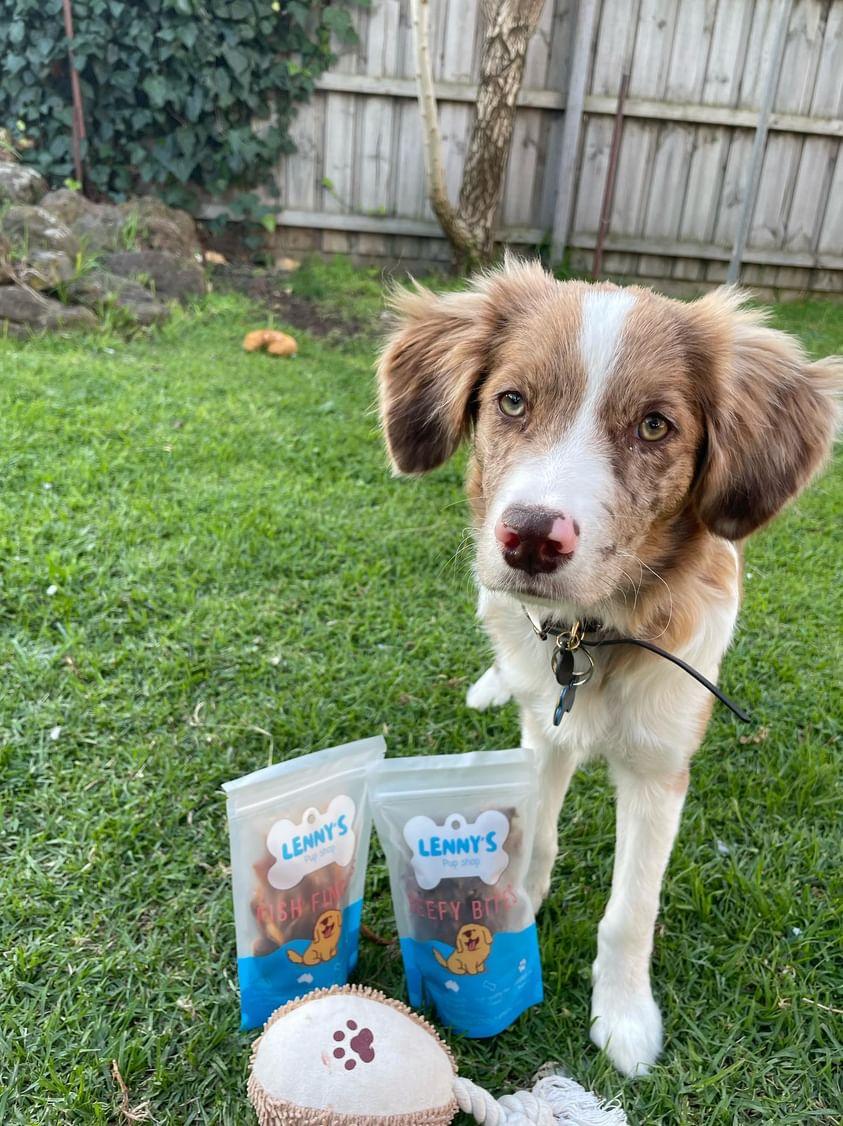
(431,137)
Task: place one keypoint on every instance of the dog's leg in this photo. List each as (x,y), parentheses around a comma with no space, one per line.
(625,1018)
(490,691)
(556,767)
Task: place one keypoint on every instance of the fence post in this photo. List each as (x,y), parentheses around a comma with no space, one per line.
(759,144)
(580,59)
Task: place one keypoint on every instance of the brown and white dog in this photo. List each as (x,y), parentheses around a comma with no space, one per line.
(623,444)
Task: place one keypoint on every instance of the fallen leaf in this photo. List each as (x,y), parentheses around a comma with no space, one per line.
(758,736)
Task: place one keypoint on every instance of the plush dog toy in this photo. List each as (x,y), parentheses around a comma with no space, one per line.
(349,1056)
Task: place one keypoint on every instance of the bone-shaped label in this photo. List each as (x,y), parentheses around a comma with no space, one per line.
(458,848)
(317,840)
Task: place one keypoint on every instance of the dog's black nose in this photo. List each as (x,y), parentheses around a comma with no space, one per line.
(536,540)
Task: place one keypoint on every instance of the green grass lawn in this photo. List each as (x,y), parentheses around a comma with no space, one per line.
(206,567)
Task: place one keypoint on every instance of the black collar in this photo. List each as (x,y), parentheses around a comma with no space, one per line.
(584,635)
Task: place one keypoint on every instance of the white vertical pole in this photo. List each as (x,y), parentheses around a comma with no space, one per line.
(580,58)
(759,144)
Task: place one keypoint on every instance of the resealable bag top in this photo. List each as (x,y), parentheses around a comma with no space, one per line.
(457,831)
(299,843)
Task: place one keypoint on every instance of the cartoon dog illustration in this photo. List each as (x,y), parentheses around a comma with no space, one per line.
(326,936)
(472,948)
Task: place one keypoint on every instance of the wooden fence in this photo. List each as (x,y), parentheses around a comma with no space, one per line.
(698,73)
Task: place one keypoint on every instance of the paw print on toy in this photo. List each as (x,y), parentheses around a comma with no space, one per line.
(361,1044)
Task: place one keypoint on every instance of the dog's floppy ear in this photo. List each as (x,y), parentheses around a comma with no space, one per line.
(487,935)
(459,942)
(770,414)
(436,359)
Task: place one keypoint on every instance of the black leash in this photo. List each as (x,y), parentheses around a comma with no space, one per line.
(570,678)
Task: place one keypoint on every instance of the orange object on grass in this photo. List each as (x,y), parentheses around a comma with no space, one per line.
(275,343)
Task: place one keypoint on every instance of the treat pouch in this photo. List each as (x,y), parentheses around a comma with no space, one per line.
(457,831)
(299,843)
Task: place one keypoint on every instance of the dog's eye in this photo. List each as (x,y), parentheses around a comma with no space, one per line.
(511,404)
(653,428)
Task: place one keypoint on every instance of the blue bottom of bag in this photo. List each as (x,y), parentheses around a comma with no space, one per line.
(272,980)
(482,1003)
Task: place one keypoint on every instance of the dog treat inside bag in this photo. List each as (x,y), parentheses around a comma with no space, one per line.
(299,843)
(457,831)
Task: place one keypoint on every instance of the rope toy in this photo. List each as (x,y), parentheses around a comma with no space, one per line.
(350,1056)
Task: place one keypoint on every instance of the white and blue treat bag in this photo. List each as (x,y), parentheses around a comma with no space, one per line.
(457,831)
(299,844)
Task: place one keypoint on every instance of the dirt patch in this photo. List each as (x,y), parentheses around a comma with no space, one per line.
(272,290)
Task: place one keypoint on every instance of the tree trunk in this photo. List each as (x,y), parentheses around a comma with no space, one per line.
(511,24)
(470,226)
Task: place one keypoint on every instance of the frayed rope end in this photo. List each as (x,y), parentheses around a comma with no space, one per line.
(555,1100)
(572,1105)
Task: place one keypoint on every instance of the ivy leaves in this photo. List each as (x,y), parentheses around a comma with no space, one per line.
(172,88)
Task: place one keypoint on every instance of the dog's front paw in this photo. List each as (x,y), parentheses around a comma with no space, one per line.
(627,1025)
(490,691)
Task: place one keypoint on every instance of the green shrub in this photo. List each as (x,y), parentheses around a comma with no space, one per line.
(173,89)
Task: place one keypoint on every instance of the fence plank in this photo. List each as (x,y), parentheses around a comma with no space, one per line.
(572,132)
(727,54)
(828,88)
(341,112)
(811,190)
(772,77)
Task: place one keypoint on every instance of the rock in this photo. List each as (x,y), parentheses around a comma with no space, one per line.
(45,269)
(64,317)
(19,183)
(214,258)
(30,228)
(67,205)
(170,278)
(101,290)
(6,274)
(23,312)
(99,227)
(287,265)
(159,227)
(139,224)
(102,230)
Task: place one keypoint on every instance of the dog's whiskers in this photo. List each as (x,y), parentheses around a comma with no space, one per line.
(646,567)
(461,551)
(631,581)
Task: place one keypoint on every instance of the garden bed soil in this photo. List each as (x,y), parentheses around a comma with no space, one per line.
(271,289)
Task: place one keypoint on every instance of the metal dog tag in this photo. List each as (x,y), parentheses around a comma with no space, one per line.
(566,702)
(562,663)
